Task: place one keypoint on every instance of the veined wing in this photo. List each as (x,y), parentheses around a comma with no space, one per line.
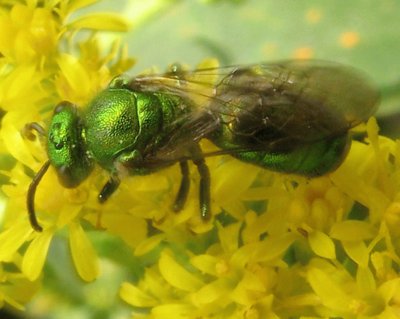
(292,101)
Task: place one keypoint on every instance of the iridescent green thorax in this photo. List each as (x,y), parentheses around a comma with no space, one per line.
(66,146)
(125,126)
(111,125)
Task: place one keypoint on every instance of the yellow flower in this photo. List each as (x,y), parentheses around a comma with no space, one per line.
(15,289)
(319,248)
(35,74)
(280,246)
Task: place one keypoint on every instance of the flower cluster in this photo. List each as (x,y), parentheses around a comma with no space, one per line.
(278,246)
(41,64)
(326,247)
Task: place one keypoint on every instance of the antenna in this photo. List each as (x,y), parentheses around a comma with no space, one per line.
(30,198)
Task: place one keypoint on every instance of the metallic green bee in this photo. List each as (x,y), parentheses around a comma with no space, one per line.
(291,117)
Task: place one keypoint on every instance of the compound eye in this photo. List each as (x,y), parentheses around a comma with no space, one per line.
(66,177)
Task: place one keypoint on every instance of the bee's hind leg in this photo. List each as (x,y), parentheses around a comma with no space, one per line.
(183,188)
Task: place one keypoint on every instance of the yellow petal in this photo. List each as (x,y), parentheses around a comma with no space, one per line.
(390,289)
(365,281)
(131,229)
(19,85)
(12,238)
(6,35)
(205,263)
(352,230)
(148,244)
(208,64)
(35,255)
(225,185)
(14,142)
(229,236)
(175,311)
(75,74)
(357,251)
(100,21)
(176,275)
(136,297)
(155,284)
(321,244)
(66,214)
(78,4)
(248,290)
(329,291)
(83,254)
(23,49)
(212,292)
(207,78)
(269,249)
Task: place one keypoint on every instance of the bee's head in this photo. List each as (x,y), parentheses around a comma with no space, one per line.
(66,146)
(66,150)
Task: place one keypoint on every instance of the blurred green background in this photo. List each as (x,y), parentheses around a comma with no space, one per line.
(361,33)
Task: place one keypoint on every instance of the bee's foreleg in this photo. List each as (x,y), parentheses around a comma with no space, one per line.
(109,188)
(205,202)
(183,188)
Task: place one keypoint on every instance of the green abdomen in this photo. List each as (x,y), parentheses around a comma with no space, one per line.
(311,160)
(308,159)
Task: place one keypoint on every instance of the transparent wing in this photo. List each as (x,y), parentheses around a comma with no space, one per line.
(275,105)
